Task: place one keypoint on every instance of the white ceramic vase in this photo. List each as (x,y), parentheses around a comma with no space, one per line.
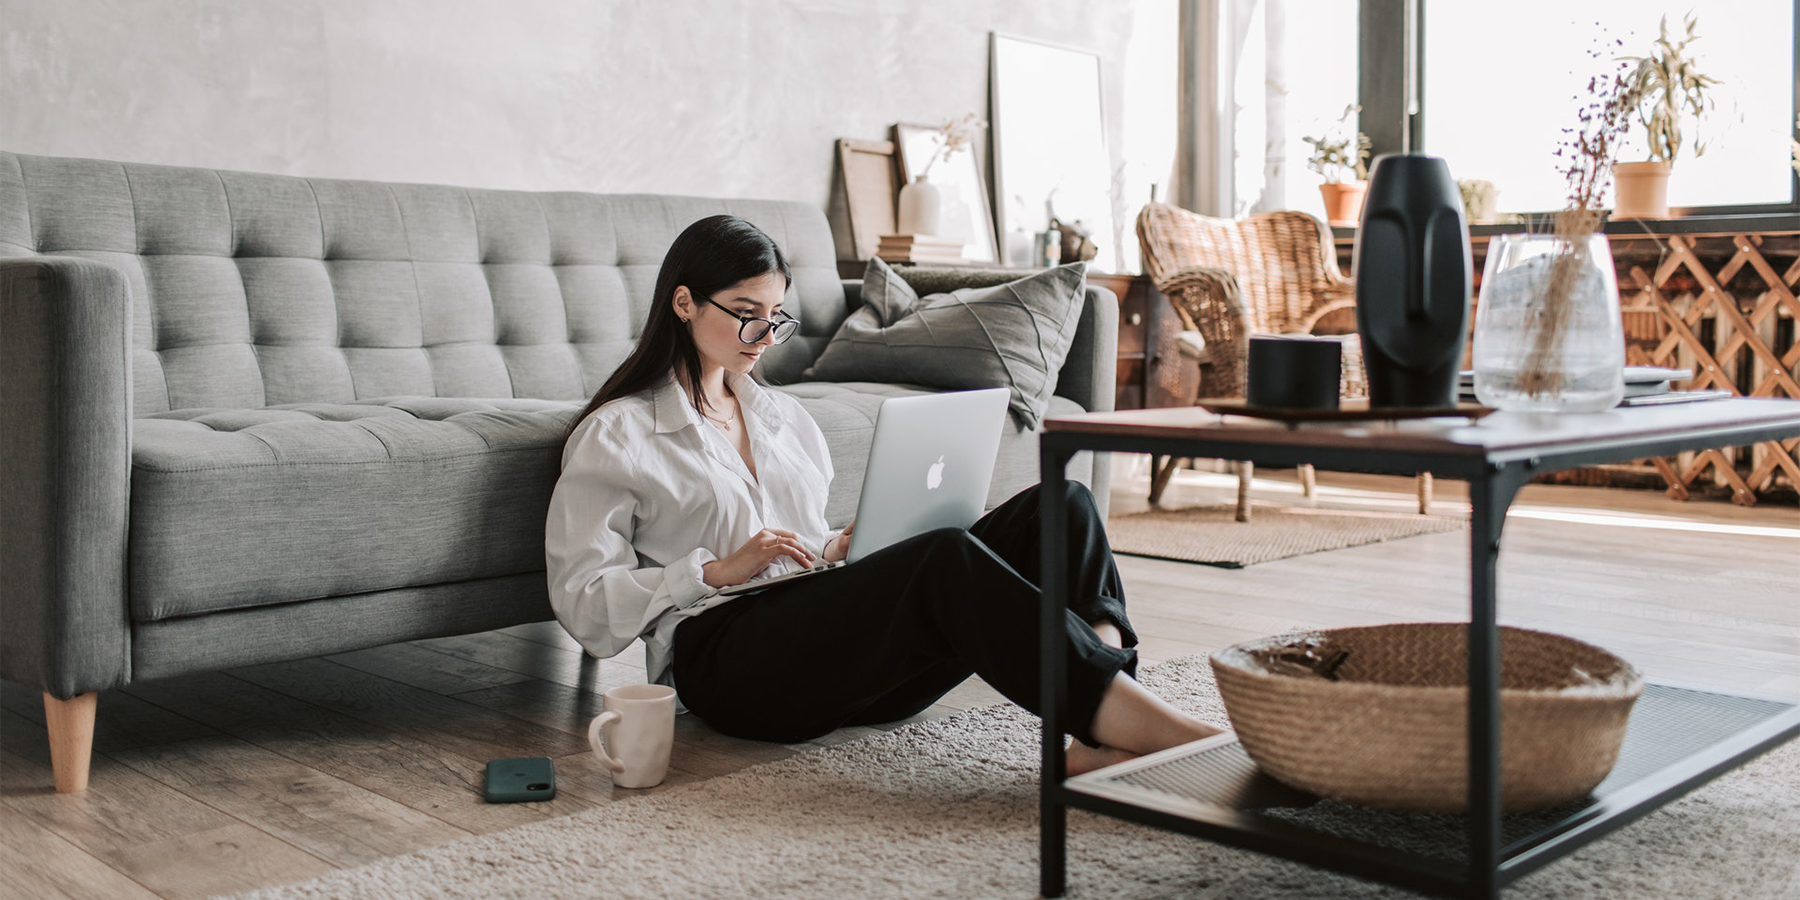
(921,208)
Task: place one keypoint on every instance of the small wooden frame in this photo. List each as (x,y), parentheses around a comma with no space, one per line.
(871,182)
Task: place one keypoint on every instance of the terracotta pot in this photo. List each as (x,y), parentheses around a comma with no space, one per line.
(1641,190)
(1343,202)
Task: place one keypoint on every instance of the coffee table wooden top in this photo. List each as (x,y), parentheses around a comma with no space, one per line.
(1752,418)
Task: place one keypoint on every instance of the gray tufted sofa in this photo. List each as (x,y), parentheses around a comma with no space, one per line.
(249,418)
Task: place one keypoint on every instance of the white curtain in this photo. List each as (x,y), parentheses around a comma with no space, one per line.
(1233,158)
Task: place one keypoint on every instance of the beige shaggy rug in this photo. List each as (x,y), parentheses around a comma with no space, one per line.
(1212,536)
(948,808)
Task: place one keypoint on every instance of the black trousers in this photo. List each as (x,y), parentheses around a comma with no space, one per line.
(885,638)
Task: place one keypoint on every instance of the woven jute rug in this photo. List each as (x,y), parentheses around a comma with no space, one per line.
(1210,534)
(949,808)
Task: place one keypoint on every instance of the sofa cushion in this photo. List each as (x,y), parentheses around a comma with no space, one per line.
(234,508)
(1013,335)
(243,508)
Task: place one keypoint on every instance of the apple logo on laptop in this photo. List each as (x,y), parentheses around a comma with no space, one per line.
(934,476)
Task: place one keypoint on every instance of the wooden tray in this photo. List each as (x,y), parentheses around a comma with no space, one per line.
(1347,411)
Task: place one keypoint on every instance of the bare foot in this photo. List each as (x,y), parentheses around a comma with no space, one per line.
(1208,729)
(1081,758)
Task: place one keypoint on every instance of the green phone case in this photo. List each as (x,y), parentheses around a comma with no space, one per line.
(520,779)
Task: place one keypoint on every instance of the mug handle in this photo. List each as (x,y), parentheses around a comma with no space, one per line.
(611,715)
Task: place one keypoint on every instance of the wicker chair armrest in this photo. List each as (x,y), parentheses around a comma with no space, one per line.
(1209,298)
(1212,278)
(1336,317)
(1191,345)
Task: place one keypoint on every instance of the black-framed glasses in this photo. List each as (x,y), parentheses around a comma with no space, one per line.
(752,328)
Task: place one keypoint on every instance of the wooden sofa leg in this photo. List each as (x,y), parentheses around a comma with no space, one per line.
(1423,483)
(71,725)
(1309,484)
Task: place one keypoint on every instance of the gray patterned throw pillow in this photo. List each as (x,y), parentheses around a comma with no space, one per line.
(1013,335)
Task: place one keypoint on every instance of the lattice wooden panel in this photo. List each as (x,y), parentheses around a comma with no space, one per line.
(1733,323)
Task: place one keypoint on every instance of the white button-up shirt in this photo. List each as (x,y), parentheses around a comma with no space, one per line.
(650,492)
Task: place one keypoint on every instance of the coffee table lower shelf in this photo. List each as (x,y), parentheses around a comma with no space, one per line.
(1679,737)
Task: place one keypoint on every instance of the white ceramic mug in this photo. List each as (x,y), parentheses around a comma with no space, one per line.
(642,717)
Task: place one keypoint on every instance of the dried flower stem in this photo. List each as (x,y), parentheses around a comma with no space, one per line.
(953,136)
(1588,154)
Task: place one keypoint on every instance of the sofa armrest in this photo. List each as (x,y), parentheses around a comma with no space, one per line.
(65,470)
(1090,374)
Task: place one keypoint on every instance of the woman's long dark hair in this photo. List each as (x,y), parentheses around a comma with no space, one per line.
(709,256)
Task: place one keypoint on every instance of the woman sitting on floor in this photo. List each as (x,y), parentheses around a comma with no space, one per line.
(685,475)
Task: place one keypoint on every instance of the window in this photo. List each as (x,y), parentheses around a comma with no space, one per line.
(1312,80)
(1500,83)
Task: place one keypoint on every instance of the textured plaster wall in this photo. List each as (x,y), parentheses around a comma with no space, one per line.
(715,98)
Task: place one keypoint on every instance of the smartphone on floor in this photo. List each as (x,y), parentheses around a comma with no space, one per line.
(520,779)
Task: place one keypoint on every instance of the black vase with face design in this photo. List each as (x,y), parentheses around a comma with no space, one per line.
(1413,279)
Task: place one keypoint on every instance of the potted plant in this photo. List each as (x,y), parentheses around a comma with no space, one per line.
(1667,88)
(1342,160)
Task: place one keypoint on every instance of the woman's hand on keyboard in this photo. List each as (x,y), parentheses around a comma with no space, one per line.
(838,547)
(756,554)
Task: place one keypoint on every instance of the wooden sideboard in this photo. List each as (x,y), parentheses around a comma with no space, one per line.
(1151,370)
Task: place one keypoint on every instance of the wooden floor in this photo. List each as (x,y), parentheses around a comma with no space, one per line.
(261,776)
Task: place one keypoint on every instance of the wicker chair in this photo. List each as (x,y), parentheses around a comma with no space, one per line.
(1230,278)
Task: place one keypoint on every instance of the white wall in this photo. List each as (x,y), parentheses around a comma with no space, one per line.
(714,98)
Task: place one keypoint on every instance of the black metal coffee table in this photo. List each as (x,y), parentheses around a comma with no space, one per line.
(1679,737)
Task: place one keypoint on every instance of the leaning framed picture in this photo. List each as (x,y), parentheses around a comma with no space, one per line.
(870,185)
(966,216)
(1049,136)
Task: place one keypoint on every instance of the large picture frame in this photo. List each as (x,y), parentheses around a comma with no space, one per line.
(966,215)
(1049,145)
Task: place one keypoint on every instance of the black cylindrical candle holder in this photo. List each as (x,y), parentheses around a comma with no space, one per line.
(1294,371)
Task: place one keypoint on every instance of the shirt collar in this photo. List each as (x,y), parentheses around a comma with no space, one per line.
(674,411)
(758,401)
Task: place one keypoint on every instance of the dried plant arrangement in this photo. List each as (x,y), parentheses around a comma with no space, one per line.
(1668,88)
(1586,155)
(1795,152)
(952,137)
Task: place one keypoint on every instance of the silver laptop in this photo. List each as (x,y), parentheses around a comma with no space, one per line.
(929,467)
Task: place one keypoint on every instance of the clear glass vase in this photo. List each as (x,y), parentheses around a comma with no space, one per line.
(1547,331)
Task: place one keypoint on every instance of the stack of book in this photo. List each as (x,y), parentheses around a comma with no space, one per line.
(1644,386)
(920,248)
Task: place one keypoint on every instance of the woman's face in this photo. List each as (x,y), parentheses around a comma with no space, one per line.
(716,331)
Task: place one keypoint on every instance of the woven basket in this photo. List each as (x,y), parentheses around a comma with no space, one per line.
(1378,715)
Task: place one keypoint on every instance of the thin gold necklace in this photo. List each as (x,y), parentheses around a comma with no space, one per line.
(724,423)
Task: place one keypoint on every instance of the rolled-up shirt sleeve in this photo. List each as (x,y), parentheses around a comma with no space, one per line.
(602,592)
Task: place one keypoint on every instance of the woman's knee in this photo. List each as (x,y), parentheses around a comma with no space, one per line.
(940,543)
(1077,500)
(1074,493)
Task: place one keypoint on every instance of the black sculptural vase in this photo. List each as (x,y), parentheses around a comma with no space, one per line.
(1412,283)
